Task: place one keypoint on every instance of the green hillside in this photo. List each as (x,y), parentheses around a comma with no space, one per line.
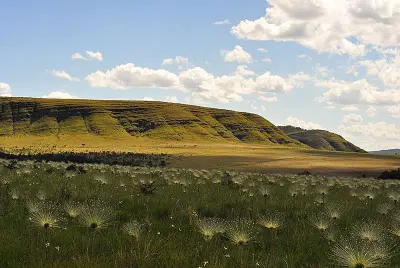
(125,119)
(321,139)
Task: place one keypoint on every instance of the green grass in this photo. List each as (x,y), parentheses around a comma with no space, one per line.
(170,237)
(321,139)
(135,119)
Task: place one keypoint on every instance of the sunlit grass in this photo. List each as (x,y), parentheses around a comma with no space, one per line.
(193,218)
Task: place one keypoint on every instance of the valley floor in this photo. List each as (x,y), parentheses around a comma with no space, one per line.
(233,156)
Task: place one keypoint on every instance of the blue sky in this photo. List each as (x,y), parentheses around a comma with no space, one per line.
(291,61)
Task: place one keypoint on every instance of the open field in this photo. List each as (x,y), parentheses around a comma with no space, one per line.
(52,215)
(245,157)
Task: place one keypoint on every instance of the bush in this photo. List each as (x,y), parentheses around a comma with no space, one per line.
(390,175)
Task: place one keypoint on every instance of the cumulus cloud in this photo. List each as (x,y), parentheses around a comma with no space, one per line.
(238,54)
(63,75)
(263,50)
(59,95)
(78,56)
(387,70)
(321,71)
(95,55)
(129,76)
(293,121)
(377,130)
(180,61)
(299,79)
(203,86)
(222,22)
(90,55)
(353,119)
(356,92)
(337,27)
(5,90)
(243,70)
(394,110)
(267,60)
(268,99)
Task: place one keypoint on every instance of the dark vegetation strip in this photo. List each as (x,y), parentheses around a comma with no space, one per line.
(108,158)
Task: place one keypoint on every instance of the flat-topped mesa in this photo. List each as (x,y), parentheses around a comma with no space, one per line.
(149,119)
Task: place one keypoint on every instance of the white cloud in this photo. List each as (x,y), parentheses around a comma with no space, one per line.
(238,54)
(203,86)
(148,99)
(5,90)
(169,61)
(394,110)
(243,70)
(371,111)
(388,70)
(78,56)
(59,95)
(377,130)
(302,124)
(330,107)
(267,60)
(95,55)
(353,119)
(268,99)
(179,60)
(222,22)
(63,75)
(350,108)
(263,108)
(272,83)
(356,92)
(129,76)
(90,56)
(298,80)
(263,50)
(388,51)
(320,70)
(171,99)
(352,70)
(337,27)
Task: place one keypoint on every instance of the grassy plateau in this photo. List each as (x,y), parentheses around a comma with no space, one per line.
(196,137)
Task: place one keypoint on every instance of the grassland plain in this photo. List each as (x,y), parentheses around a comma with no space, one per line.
(196,137)
(114,216)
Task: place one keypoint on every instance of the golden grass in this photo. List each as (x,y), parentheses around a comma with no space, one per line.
(234,156)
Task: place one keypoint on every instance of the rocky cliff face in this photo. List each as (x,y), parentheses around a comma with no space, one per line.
(161,120)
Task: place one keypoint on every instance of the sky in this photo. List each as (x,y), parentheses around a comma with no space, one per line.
(315,64)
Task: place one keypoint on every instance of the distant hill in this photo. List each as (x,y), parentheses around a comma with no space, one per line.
(390,151)
(321,139)
(122,119)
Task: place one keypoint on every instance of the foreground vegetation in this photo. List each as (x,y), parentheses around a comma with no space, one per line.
(52,215)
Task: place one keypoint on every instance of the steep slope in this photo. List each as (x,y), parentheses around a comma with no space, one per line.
(321,139)
(122,119)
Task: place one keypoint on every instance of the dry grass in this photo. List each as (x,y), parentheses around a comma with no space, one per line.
(258,158)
